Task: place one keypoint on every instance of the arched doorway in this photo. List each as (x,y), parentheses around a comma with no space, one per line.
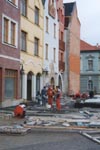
(29,86)
(60,82)
(38,82)
(52,81)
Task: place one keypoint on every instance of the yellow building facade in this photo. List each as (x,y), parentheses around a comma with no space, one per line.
(32,38)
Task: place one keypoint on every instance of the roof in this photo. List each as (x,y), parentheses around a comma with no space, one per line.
(69,8)
(84,46)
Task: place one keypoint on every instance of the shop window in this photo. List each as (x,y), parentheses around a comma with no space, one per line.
(10,84)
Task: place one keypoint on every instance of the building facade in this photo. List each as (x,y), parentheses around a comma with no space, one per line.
(90,68)
(60,12)
(51,49)
(9,52)
(72,49)
(32,37)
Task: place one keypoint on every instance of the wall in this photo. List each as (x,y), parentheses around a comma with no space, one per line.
(74,53)
(31,62)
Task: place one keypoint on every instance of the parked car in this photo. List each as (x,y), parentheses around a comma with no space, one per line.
(90,102)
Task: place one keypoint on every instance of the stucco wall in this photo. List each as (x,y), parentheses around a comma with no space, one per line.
(74,53)
(31,62)
(51,41)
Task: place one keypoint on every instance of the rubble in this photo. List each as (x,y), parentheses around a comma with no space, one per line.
(65,124)
(14,130)
(94,124)
(67,118)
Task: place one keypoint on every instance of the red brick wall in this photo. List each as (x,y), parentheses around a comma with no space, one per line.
(0,84)
(7,9)
(7,63)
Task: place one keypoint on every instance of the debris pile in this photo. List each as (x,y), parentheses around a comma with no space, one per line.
(14,130)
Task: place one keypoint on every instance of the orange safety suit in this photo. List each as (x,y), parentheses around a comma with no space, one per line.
(58,97)
(50,96)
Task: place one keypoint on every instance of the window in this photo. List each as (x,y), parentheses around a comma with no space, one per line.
(61,56)
(99,64)
(81,64)
(36,46)
(47,21)
(13,25)
(6,28)
(13,2)
(9,31)
(90,65)
(23,40)
(90,85)
(62,36)
(54,30)
(52,2)
(10,83)
(36,16)
(24,7)
(54,54)
(46,51)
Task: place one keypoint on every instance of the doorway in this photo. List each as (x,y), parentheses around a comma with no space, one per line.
(38,82)
(52,81)
(60,82)
(29,86)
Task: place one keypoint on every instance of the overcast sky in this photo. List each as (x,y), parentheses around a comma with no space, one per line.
(89,16)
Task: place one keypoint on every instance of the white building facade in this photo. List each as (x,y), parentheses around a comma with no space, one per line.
(51,49)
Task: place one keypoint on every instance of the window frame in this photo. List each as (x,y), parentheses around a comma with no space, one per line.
(11,74)
(36,46)
(36,17)
(90,84)
(54,54)
(10,20)
(90,64)
(13,4)
(25,41)
(47,24)
(23,8)
(54,30)
(46,51)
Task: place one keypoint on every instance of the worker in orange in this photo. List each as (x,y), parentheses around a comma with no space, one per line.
(58,97)
(50,95)
(19,111)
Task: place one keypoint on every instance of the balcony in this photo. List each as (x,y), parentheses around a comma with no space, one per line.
(62,66)
(61,45)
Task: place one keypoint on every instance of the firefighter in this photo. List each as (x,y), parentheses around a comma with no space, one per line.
(58,97)
(50,95)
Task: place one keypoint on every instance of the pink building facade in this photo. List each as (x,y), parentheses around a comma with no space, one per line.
(72,30)
(60,12)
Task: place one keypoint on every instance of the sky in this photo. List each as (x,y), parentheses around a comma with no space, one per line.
(89,16)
